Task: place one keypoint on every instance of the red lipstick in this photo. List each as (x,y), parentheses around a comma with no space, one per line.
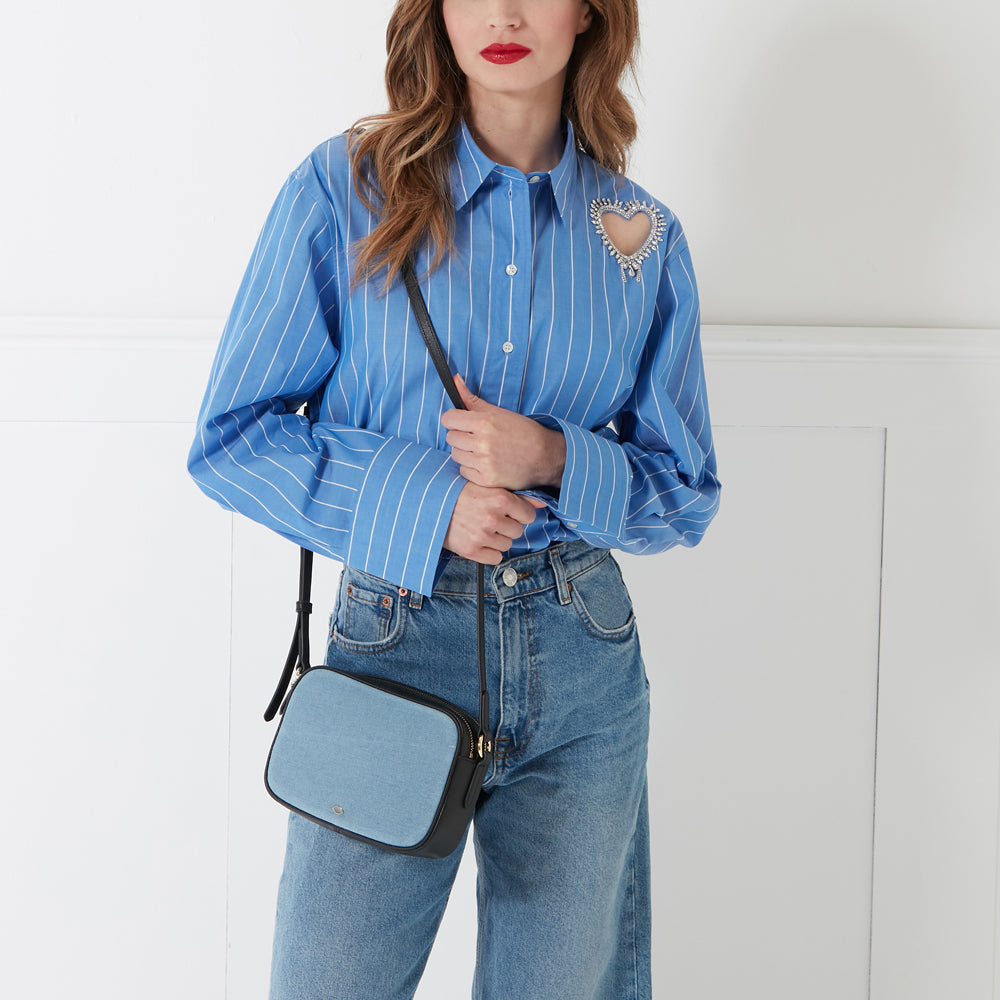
(504,54)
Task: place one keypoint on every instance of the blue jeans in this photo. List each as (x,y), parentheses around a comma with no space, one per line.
(561,832)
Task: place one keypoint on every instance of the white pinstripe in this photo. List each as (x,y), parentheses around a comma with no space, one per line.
(616,365)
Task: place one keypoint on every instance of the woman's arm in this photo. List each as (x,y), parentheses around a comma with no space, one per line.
(380,503)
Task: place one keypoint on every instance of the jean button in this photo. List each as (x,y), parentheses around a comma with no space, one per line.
(510,576)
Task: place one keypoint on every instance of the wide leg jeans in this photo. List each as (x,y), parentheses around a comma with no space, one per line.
(561,830)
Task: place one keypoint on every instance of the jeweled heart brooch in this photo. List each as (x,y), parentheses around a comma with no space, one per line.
(635,229)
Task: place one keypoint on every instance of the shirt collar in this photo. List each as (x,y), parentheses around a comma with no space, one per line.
(471,168)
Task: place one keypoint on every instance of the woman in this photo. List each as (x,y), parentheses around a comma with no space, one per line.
(564,299)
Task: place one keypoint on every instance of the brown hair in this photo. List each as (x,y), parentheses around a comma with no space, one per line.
(402,159)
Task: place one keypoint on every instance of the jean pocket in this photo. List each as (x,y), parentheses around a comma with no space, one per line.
(370,615)
(602,601)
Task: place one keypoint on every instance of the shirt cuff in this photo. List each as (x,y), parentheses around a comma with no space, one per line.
(402,514)
(593,494)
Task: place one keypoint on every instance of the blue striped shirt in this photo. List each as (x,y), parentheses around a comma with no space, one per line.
(535,313)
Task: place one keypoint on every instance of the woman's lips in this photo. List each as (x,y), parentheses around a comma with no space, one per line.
(503,54)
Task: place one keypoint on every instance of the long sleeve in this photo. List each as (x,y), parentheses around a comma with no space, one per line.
(377,502)
(530,308)
(649,482)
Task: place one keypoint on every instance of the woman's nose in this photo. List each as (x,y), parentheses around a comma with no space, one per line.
(505,15)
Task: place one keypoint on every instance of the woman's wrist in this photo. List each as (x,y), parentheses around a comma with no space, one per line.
(554,461)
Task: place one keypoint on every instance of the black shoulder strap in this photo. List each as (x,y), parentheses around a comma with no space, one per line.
(427,331)
(436,352)
(298,652)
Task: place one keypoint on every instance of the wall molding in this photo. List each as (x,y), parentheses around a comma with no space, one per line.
(777,344)
(805,344)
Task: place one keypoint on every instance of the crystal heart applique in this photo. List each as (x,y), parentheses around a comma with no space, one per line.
(635,229)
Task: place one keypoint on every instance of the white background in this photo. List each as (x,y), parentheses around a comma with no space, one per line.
(825,759)
(834,160)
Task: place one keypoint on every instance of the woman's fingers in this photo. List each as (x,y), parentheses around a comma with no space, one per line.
(486,521)
(503,513)
(505,448)
(461,420)
(460,439)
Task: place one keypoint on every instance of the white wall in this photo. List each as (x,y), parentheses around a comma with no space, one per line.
(824,776)
(834,164)
(834,161)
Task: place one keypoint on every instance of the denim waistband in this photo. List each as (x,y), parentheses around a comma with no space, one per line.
(552,568)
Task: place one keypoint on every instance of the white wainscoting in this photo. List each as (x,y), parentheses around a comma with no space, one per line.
(825,758)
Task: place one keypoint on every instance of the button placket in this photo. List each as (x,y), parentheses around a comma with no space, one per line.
(507,346)
(513,304)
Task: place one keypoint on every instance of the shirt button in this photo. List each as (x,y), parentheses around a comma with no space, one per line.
(510,576)
(511,269)
(534,178)
(507,347)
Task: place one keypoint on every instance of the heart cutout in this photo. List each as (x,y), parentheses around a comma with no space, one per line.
(626,235)
(629,230)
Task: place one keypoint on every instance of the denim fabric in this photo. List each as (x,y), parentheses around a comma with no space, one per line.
(386,790)
(561,832)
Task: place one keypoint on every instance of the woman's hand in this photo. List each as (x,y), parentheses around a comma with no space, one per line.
(486,521)
(499,448)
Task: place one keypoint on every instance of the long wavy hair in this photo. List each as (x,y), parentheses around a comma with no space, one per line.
(402,159)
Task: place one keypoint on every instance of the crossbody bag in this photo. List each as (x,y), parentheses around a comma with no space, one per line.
(375,759)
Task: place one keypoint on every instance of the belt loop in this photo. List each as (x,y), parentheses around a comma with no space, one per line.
(559,571)
(416,600)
